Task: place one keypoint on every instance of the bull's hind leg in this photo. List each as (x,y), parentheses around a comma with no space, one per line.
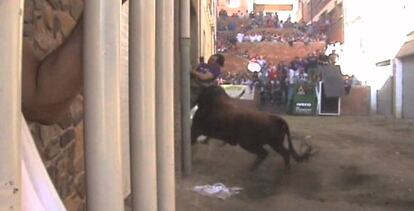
(261,156)
(284,153)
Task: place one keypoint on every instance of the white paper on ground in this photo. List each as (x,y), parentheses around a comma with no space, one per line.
(218,190)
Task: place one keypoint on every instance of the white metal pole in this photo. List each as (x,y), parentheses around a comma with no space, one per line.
(165,103)
(142,104)
(102,105)
(398,89)
(185,85)
(11,14)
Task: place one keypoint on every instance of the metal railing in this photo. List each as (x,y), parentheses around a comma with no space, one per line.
(11,15)
(151,101)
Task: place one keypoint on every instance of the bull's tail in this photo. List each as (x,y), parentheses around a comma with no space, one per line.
(298,158)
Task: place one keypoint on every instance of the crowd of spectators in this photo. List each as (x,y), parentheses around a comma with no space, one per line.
(248,30)
(269,20)
(275,81)
(267,36)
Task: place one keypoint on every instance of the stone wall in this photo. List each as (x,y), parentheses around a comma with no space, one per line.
(47,23)
(61,147)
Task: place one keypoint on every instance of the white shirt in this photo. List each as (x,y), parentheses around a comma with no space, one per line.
(252,38)
(240,37)
(291,76)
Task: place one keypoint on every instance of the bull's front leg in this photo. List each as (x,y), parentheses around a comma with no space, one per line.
(261,156)
(195,133)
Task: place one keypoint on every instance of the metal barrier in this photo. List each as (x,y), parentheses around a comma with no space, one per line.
(102,105)
(11,15)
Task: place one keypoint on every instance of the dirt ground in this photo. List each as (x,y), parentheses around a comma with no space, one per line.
(362,163)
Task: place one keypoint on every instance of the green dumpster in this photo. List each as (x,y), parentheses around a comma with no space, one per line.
(304,100)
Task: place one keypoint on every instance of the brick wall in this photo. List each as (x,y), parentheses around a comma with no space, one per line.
(357,102)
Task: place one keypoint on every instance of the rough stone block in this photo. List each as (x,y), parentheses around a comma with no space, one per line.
(37,4)
(48,133)
(76,9)
(65,185)
(28,11)
(42,36)
(80,181)
(51,170)
(67,23)
(79,142)
(65,5)
(79,165)
(55,4)
(67,137)
(35,131)
(47,23)
(47,13)
(74,203)
(66,120)
(64,163)
(52,149)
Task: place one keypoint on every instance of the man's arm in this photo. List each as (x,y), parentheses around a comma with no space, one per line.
(203,76)
(49,86)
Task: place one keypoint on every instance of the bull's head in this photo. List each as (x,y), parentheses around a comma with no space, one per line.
(211,95)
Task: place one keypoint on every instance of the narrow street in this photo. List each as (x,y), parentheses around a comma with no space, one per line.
(362,163)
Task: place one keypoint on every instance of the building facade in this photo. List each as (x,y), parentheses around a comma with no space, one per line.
(233,6)
(207,28)
(403,76)
(324,11)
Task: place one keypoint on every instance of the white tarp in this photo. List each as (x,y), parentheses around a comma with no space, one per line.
(39,193)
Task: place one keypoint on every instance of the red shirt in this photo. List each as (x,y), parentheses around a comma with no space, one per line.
(273,74)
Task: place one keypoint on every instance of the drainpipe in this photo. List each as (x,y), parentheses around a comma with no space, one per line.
(165,104)
(142,104)
(11,14)
(185,85)
(398,89)
(102,105)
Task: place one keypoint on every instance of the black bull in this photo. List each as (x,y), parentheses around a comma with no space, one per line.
(219,117)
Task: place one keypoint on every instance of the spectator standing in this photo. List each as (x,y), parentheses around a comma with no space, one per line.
(333,57)
(291,82)
(240,37)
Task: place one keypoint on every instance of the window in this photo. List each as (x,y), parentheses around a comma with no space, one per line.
(233,3)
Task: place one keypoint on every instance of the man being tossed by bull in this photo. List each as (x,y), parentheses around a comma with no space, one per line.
(205,75)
